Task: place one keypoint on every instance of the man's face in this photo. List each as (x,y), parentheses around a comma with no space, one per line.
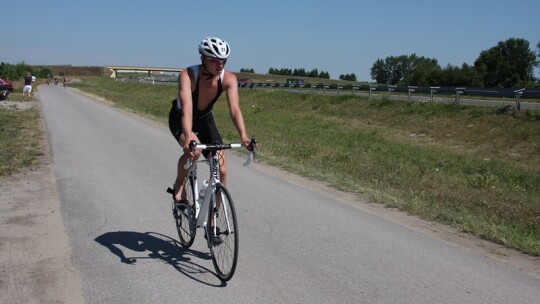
(214,65)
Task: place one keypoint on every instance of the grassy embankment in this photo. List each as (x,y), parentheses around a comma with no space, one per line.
(461,165)
(19,139)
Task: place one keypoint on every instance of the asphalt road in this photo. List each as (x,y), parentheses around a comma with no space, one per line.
(298,242)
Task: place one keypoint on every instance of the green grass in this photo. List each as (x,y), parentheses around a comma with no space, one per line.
(461,165)
(19,139)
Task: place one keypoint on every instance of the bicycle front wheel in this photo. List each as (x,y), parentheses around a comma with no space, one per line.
(186,225)
(223,234)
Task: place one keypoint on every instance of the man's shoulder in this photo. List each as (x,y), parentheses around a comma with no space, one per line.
(192,70)
(229,80)
(229,75)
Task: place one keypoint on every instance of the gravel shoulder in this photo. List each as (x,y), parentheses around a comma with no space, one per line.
(35,254)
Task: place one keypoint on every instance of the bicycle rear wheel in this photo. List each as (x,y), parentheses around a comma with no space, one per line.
(186,225)
(223,234)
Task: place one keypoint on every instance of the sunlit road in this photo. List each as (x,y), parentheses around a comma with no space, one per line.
(297,244)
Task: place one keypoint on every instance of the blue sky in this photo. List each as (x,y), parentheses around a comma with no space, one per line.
(339,36)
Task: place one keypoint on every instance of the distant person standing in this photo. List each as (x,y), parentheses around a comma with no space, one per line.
(27,89)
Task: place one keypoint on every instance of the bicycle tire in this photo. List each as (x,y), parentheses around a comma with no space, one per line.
(186,225)
(224,245)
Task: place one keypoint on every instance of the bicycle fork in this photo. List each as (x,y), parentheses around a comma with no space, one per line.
(216,213)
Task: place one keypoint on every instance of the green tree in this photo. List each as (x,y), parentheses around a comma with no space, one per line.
(379,72)
(468,77)
(299,72)
(508,64)
(426,73)
(400,67)
(350,77)
(15,72)
(538,54)
(287,72)
(324,75)
(397,69)
(538,60)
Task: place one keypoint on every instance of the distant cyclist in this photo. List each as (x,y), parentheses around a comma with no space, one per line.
(190,118)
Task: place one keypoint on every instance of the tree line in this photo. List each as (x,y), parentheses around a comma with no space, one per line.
(508,64)
(244,70)
(299,72)
(19,70)
(350,77)
(302,72)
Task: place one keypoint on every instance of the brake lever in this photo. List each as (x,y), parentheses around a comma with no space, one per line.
(250,158)
(252,155)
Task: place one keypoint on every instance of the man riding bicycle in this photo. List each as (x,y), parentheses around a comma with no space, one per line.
(190,118)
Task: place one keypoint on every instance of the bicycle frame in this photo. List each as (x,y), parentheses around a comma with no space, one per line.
(209,194)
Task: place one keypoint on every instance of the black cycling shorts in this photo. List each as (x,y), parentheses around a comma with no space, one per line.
(205,127)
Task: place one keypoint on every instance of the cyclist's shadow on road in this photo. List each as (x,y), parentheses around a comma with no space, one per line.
(153,245)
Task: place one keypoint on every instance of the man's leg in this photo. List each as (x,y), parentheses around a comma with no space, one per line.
(182,171)
(180,176)
(222,168)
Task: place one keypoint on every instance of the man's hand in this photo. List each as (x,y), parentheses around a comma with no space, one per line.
(250,144)
(187,149)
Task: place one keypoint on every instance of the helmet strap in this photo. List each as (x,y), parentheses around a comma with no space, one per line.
(208,74)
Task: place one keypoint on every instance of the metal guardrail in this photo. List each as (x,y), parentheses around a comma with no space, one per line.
(479,92)
(455,95)
(405,93)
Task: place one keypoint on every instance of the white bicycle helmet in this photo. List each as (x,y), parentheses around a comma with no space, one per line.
(215,48)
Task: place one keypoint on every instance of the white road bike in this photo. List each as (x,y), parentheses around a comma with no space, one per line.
(218,216)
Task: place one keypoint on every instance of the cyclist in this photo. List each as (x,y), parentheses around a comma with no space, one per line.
(190,118)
